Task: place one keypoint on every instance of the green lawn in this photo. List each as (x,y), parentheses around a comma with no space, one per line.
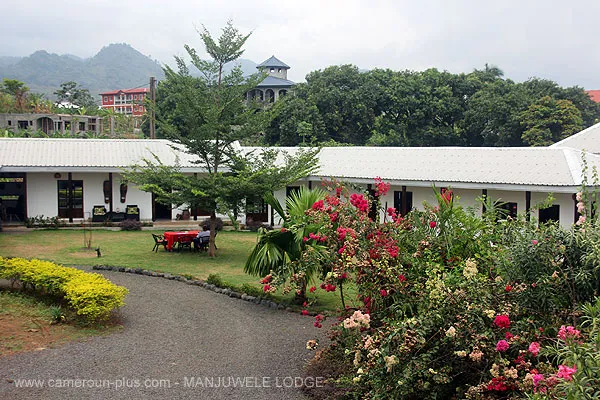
(134,250)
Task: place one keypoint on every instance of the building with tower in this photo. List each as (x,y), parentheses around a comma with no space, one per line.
(275,85)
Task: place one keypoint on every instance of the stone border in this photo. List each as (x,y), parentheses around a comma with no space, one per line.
(196,282)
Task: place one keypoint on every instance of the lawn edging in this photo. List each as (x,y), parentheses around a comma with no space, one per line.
(198,282)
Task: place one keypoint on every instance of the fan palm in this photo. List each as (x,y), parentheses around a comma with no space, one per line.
(278,251)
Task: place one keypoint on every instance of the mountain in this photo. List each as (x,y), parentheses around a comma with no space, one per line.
(116,66)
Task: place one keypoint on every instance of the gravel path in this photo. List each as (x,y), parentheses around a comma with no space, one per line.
(178,342)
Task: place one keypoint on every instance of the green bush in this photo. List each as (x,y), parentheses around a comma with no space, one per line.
(90,295)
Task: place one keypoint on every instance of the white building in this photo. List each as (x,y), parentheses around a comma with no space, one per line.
(68,177)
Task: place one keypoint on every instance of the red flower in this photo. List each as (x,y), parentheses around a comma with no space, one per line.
(333,217)
(312,289)
(266,288)
(304,312)
(381,188)
(304,304)
(508,288)
(383,292)
(534,242)
(432,224)
(266,279)
(446,195)
(508,335)
(318,205)
(502,321)
(305,239)
(359,201)
(401,278)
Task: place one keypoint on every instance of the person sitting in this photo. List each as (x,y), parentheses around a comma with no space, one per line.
(201,240)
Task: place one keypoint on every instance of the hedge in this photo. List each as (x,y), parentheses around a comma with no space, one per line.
(91,295)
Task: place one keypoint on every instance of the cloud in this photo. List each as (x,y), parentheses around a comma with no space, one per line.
(550,39)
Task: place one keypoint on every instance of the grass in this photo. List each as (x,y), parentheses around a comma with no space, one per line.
(26,324)
(133,249)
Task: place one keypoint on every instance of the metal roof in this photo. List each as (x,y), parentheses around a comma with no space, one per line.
(468,167)
(273,62)
(272,81)
(37,154)
(553,168)
(587,140)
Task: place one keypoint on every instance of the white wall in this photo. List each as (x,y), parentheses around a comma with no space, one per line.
(42,196)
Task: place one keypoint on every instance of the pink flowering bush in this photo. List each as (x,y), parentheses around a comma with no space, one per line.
(443,307)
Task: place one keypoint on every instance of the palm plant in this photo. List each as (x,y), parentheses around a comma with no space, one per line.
(278,251)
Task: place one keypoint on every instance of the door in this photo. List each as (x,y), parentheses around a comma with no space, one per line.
(70,199)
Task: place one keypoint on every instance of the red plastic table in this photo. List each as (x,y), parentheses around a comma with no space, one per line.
(174,237)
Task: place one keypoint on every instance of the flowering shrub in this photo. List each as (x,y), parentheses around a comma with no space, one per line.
(457,305)
(91,295)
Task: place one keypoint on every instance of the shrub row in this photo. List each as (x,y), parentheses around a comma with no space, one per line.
(90,295)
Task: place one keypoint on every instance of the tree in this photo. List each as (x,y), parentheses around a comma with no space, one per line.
(75,94)
(18,90)
(207,119)
(548,120)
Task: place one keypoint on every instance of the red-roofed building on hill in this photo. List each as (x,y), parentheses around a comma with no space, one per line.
(126,101)
(594,95)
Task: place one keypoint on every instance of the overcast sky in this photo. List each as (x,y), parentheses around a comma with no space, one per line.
(553,39)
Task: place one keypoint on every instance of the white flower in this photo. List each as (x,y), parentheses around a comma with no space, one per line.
(451,332)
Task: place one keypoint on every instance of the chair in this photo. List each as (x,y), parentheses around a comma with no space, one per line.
(132,212)
(202,243)
(159,240)
(184,242)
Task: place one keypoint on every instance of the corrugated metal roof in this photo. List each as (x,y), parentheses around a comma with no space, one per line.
(272,81)
(273,62)
(87,153)
(532,166)
(588,140)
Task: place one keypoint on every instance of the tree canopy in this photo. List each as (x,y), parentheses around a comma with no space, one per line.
(207,116)
(382,107)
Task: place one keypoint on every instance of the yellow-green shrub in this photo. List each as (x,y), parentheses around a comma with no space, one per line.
(91,295)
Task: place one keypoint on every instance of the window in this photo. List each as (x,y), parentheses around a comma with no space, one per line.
(9,122)
(106,99)
(551,213)
(23,124)
(82,126)
(398,202)
(279,70)
(272,69)
(135,96)
(508,210)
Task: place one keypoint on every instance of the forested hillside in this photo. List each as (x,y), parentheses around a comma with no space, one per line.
(115,66)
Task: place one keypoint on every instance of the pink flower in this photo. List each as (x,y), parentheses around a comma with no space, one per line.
(502,345)
(305,239)
(318,205)
(534,242)
(502,321)
(537,378)
(534,348)
(565,372)
(432,224)
(383,292)
(312,289)
(566,332)
(401,278)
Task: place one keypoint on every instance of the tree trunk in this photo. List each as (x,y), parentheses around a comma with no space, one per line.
(211,244)
(300,297)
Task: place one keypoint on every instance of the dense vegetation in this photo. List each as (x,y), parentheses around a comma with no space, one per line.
(450,304)
(343,105)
